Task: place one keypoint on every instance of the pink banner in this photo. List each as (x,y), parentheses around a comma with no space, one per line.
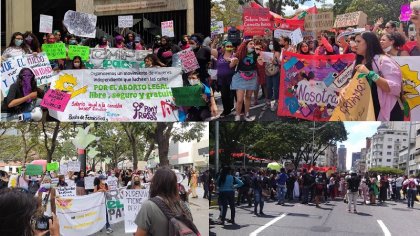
(55,100)
(405,12)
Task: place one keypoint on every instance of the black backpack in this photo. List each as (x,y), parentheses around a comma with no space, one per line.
(234,36)
(179,225)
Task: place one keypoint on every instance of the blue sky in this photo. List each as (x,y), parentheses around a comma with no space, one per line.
(356,137)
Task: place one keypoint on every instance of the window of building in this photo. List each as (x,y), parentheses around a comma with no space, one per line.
(388,160)
(398,139)
(10,169)
(389,146)
(380,160)
(388,153)
(389,139)
(404,139)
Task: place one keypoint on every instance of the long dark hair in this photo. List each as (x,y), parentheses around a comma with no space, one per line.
(168,44)
(23,45)
(17,208)
(299,48)
(19,81)
(222,178)
(82,65)
(398,39)
(242,50)
(35,45)
(276,45)
(373,48)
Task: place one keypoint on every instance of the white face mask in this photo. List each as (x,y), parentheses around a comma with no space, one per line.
(388,49)
(77,65)
(271,47)
(194,81)
(46,185)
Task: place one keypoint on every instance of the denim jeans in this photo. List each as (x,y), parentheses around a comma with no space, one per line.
(273,83)
(258,199)
(228,198)
(398,193)
(305,194)
(107,225)
(281,192)
(411,195)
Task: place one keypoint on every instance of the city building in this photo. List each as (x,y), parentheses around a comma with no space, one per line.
(331,156)
(10,167)
(355,156)
(342,156)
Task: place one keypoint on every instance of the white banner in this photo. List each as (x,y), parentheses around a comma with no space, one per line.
(11,67)
(125,95)
(133,200)
(117,58)
(80,24)
(81,215)
(45,24)
(66,191)
(114,205)
(125,21)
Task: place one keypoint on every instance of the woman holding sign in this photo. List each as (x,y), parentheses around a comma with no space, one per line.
(244,81)
(383,75)
(17,47)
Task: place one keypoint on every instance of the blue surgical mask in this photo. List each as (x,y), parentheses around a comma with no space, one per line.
(72,42)
(18,42)
(250,50)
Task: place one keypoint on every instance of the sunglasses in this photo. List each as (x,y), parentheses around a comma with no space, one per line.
(257,49)
(228,46)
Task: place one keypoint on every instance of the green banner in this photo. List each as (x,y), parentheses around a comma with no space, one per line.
(53,166)
(188,96)
(81,51)
(55,51)
(32,170)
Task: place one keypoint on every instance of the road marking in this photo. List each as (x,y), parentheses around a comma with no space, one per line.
(384,228)
(260,229)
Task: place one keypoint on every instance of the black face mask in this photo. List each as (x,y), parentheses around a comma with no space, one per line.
(136,182)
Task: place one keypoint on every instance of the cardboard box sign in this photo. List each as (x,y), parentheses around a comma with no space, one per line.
(357,18)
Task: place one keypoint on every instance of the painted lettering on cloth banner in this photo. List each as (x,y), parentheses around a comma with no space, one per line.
(133,200)
(131,95)
(81,215)
(11,68)
(116,58)
(114,205)
(307,85)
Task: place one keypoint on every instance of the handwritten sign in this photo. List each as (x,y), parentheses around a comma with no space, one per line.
(256,21)
(45,24)
(32,170)
(73,166)
(55,50)
(188,60)
(358,18)
(63,169)
(55,100)
(296,37)
(112,182)
(66,191)
(216,28)
(267,56)
(81,51)
(319,22)
(133,200)
(53,166)
(357,104)
(80,24)
(89,180)
(281,33)
(188,96)
(168,28)
(11,67)
(125,21)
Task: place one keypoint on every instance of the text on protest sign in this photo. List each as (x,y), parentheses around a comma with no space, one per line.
(114,205)
(281,33)
(81,51)
(55,51)
(73,166)
(63,169)
(120,95)
(133,200)
(45,24)
(116,58)
(53,166)
(188,60)
(112,182)
(125,21)
(319,22)
(80,24)
(55,100)
(11,68)
(89,182)
(81,215)
(307,84)
(358,18)
(296,37)
(66,191)
(168,28)
(217,27)
(256,21)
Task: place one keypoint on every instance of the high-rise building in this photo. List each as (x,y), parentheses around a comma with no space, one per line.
(342,155)
(331,155)
(354,157)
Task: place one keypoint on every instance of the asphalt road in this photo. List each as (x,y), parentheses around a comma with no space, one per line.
(331,219)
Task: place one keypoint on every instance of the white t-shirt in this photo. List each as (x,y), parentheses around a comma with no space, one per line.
(399,182)
(70,182)
(13,52)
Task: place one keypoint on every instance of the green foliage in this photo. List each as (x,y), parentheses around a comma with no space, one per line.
(278,6)
(227,11)
(386,170)
(375,9)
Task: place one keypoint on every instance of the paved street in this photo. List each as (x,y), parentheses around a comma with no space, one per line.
(199,209)
(331,219)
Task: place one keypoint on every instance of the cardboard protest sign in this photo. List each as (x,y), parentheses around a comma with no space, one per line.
(32,170)
(80,24)
(188,60)
(188,96)
(114,205)
(89,180)
(55,51)
(55,100)
(168,28)
(132,95)
(116,58)
(81,51)
(45,24)
(296,37)
(267,56)
(357,18)
(319,22)
(125,21)
(53,166)
(81,215)
(410,71)
(357,103)
(73,166)
(66,191)
(133,200)
(11,67)
(256,21)
(307,86)
(216,28)
(281,33)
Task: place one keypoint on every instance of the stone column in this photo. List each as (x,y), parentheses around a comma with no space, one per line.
(18,17)
(190,17)
(86,6)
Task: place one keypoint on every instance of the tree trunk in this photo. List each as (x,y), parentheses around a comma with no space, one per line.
(163,134)
(134,148)
(50,150)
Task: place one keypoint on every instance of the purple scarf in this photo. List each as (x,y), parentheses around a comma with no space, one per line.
(27,88)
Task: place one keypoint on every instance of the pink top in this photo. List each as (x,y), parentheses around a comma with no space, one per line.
(392,74)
